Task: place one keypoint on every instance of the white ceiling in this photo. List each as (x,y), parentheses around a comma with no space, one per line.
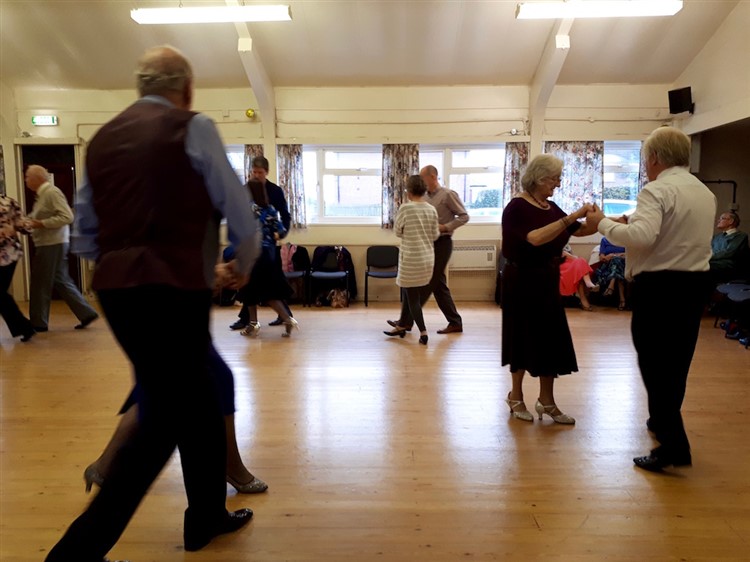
(94,44)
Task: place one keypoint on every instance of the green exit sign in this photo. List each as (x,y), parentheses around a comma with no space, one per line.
(44,120)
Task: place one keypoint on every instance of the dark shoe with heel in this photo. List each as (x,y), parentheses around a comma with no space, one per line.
(395,324)
(198,537)
(423,339)
(85,323)
(451,329)
(400,332)
(277,322)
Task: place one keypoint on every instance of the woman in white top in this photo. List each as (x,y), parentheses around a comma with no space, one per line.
(417,226)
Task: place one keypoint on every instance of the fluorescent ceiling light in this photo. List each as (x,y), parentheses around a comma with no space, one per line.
(215,14)
(597,9)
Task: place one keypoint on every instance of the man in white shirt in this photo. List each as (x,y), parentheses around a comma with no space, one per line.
(668,241)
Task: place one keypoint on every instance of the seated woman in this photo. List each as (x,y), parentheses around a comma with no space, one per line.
(575,277)
(610,273)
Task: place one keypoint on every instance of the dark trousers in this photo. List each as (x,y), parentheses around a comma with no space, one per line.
(17,323)
(667,311)
(178,406)
(412,297)
(438,286)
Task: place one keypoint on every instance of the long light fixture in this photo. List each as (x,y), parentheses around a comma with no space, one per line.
(566,9)
(214,14)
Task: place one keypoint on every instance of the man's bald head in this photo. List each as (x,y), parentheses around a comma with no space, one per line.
(165,71)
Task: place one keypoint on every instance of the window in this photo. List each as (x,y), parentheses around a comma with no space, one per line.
(236,156)
(343,184)
(622,161)
(474,172)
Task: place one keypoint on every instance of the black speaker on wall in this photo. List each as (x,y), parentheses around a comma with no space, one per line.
(681,100)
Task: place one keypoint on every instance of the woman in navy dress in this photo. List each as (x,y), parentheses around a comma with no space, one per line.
(267,283)
(536,337)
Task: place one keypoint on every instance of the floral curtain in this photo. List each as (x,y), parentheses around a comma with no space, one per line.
(289,161)
(583,172)
(516,159)
(251,151)
(399,162)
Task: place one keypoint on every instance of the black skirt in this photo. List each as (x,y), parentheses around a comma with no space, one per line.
(536,336)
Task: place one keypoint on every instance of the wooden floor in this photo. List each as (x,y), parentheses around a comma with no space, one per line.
(381,449)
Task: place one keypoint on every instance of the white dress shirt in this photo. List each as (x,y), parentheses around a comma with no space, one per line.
(671,228)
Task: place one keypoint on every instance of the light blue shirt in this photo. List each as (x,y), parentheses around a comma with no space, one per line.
(208,157)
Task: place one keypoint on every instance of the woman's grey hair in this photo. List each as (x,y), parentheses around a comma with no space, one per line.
(540,167)
(670,147)
(416,185)
(161,70)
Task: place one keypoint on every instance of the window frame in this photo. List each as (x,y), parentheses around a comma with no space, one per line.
(320,150)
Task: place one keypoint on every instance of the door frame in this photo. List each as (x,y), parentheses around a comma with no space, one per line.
(21,281)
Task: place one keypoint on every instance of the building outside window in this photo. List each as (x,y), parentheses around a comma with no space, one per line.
(343,184)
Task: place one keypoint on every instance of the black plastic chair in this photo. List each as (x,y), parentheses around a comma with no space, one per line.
(326,271)
(382,263)
(301,265)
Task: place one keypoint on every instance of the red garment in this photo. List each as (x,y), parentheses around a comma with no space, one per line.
(572,271)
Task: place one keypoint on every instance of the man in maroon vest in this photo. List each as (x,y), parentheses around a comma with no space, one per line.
(156,178)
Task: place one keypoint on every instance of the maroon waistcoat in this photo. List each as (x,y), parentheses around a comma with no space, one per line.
(153,207)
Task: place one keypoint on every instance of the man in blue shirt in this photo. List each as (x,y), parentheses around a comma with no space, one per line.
(157,181)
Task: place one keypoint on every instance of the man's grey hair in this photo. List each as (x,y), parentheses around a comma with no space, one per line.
(162,69)
(542,166)
(670,147)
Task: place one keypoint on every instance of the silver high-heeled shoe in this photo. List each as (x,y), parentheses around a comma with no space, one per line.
(252,329)
(255,486)
(92,476)
(289,325)
(554,412)
(518,409)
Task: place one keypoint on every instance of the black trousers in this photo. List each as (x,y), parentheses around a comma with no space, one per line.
(438,286)
(165,333)
(667,311)
(17,323)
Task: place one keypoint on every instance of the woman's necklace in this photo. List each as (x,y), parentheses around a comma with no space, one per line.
(542,204)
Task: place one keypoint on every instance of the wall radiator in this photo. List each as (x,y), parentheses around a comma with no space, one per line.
(467,256)
(472,271)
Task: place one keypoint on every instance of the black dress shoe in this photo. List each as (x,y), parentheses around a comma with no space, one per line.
(28,335)
(395,324)
(656,462)
(85,323)
(198,537)
(239,325)
(277,322)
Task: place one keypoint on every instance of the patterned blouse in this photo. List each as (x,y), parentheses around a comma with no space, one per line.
(12,222)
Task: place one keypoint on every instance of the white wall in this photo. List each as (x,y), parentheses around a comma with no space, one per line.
(719,77)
